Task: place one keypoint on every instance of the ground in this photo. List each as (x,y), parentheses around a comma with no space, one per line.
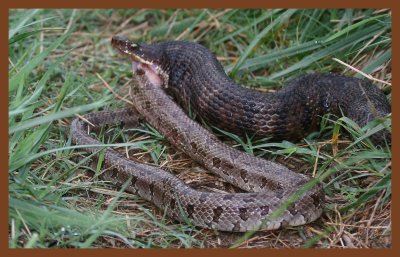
(61,65)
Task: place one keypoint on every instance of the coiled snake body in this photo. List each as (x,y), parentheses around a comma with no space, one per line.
(191,74)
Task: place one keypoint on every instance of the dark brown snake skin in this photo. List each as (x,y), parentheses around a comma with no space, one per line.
(191,74)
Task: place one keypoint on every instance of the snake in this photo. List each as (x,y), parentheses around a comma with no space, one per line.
(173,78)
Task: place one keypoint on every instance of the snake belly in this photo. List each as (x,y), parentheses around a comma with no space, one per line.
(195,78)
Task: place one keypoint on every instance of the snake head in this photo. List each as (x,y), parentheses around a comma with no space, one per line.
(145,58)
(138,52)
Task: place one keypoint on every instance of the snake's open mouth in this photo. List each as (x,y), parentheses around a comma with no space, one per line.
(150,71)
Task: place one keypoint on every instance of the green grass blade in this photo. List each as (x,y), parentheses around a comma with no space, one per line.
(384,183)
(56,116)
(261,61)
(345,43)
(258,20)
(25,35)
(281,19)
(15,81)
(357,25)
(16,28)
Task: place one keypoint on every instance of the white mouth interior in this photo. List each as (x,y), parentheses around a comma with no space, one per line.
(150,72)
